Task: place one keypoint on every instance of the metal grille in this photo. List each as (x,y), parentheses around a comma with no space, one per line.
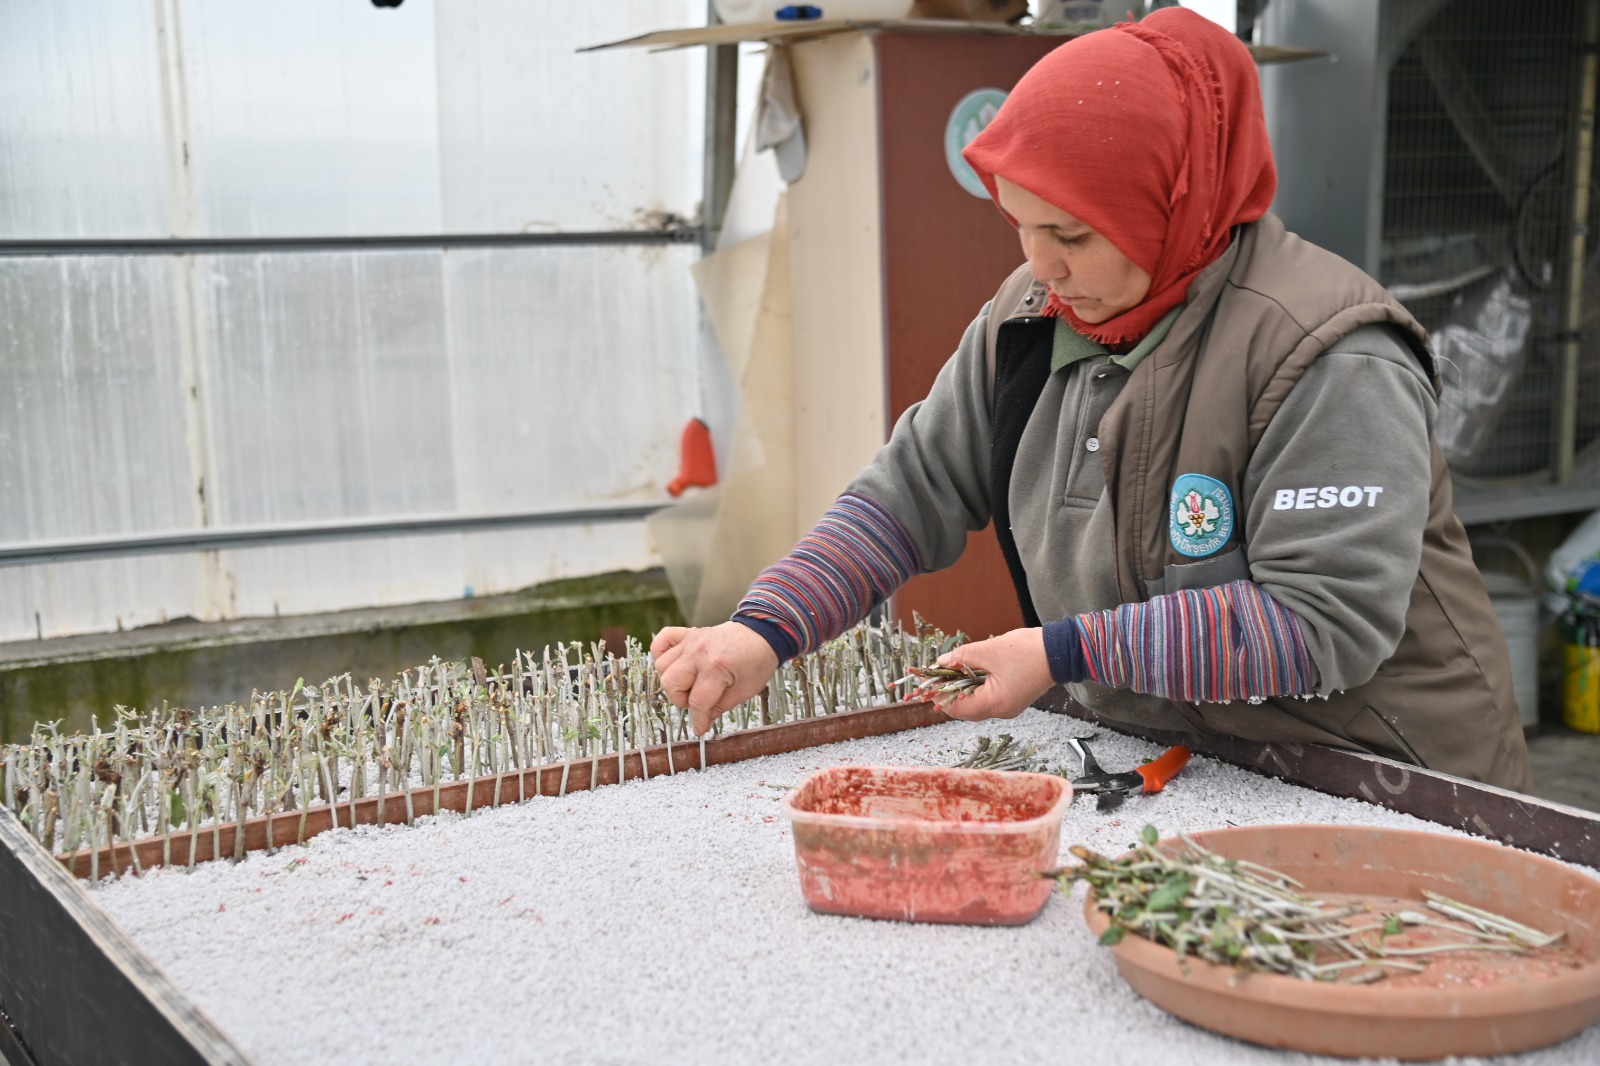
(1480,195)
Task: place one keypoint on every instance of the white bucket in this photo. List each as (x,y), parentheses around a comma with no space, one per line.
(1517,608)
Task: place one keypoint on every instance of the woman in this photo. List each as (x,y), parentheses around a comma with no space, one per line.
(1205,444)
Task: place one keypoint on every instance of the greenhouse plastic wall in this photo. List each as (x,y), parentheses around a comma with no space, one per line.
(156,392)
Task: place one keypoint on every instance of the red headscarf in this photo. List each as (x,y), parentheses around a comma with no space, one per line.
(1151,133)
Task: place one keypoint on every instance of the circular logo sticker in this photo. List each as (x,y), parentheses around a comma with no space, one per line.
(967,119)
(1202,515)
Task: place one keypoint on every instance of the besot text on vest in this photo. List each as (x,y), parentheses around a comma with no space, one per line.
(1326,496)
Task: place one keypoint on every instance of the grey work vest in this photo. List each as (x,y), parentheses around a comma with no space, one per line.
(1254,321)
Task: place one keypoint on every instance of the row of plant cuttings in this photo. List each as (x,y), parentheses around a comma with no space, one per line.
(153,773)
(1237,913)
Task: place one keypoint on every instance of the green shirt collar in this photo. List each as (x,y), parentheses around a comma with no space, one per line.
(1070,345)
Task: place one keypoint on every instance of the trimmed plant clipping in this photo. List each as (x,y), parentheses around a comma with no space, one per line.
(150,775)
(942,684)
(1004,753)
(1240,914)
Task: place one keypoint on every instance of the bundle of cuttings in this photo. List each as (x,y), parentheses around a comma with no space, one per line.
(942,684)
(1003,754)
(1237,913)
(1006,753)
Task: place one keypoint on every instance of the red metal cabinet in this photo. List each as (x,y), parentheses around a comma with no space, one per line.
(891,258)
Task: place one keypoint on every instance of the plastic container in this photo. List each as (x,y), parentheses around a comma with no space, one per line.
(1580,653)
(927,844)
(1516,606)
(1515,598)
(1562,570)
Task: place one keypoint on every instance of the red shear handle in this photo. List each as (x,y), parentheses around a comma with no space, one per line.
(1156,774)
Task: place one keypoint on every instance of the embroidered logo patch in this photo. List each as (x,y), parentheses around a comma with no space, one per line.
(1202,515)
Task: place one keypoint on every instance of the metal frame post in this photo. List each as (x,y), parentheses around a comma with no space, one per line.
(722,108)
(1582,158)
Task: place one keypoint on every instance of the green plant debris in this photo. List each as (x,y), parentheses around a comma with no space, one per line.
(1236,913)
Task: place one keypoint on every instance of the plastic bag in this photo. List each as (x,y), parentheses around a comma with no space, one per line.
(1481,348)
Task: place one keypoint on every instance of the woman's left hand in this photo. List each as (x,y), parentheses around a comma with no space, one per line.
(1019,673)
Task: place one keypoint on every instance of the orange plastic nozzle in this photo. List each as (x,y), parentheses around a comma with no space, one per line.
(697,462)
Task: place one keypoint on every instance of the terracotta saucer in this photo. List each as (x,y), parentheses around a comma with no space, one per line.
(1495,1009)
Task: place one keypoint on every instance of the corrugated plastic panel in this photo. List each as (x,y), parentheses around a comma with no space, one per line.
(562,389)
(332,576)
(335,385)
(311,118)
(100,595)
(303,117)
(537,137)
(82,152)
(92,423)
(572,373)
(328,378)
(314,118)
(93,435)
(385,383)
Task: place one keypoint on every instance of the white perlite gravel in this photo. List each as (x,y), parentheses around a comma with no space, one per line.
(662,922)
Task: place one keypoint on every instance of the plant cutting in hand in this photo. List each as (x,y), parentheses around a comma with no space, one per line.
(942,684)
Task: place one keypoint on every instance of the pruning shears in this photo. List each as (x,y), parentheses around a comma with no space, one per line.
(1111,789)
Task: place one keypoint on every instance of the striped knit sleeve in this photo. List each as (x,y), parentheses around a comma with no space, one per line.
(856,556)
(1214,645)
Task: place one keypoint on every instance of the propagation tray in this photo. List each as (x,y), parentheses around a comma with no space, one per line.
(715,957)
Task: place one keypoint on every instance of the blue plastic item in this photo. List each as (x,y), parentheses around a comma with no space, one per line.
(1583,582)
(796,12)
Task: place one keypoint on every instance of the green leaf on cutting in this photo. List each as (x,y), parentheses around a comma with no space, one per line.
(1170,894)
(1149,834)
(1112,936)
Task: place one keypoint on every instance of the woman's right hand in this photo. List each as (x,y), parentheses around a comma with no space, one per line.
(711,670)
